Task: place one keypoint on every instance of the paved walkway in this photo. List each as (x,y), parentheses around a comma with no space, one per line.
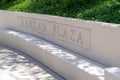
(14,65)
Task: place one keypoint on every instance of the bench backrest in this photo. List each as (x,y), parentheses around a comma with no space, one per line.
(96,40)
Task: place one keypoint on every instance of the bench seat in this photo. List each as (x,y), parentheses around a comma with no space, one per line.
(64,62)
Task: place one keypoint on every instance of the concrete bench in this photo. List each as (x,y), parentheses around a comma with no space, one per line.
(66,63)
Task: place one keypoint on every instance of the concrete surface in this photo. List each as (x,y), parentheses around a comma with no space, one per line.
(84,49)
(15,65)
(112,73)
(95,40)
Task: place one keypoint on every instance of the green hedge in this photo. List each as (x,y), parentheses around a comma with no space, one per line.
(97,10)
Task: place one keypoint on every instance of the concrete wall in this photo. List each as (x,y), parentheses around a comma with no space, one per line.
(97,40)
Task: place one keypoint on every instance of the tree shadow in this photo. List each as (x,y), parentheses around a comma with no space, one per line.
(21,67)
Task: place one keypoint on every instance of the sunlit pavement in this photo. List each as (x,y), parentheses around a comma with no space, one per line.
(15,65)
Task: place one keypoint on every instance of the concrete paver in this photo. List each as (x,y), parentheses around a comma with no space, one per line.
(15,65)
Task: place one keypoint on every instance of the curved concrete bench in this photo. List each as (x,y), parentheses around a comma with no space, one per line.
(64,62)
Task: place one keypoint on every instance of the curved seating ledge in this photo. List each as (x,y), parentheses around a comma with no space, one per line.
(66,63)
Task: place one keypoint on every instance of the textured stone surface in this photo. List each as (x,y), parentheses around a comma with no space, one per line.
(112,73)
(15,65)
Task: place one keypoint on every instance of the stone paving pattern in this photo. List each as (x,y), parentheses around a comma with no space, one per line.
(15,65)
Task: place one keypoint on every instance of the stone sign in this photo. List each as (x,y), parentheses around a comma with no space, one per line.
(70,34)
